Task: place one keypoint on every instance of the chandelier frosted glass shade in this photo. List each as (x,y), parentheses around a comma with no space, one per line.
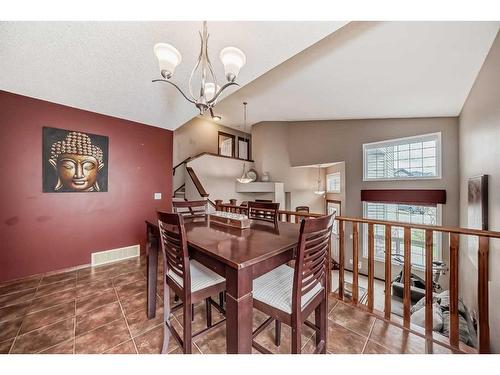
(233,60)
(210,90)
(168,58)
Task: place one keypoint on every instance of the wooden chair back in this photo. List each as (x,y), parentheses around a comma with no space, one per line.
(175,250)
(312,257)
(190,209)
(302,209)
(266,211)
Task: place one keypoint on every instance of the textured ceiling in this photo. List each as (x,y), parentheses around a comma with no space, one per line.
(107,67)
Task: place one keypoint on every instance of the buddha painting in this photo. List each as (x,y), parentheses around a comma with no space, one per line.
(74,161)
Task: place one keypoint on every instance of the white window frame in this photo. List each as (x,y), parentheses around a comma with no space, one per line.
(340,183)
(423,137)
(439,237)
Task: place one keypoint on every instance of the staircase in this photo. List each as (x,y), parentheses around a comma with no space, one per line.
(180,193)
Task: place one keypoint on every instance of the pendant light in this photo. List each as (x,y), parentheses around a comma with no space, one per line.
(244,179)
(319,191)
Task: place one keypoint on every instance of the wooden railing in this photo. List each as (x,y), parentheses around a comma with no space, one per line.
(454,239)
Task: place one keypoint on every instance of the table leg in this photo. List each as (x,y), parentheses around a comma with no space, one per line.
(152,263)
(239,310)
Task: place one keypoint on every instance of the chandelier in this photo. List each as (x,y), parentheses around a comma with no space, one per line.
(209,91)
(244,179)
(319,190)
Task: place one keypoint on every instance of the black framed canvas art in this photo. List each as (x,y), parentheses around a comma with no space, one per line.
(74,161)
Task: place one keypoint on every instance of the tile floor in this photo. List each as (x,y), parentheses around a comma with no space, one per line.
(103,310)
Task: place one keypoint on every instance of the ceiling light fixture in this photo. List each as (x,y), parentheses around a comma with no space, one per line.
(318,190)
(215,118)
(244,179)
(232,58)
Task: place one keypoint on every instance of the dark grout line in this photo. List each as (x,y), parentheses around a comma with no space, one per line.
(126,322)
(368,337)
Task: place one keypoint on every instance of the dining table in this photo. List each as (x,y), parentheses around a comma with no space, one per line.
(239,255)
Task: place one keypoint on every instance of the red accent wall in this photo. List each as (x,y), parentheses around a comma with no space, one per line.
(42,232)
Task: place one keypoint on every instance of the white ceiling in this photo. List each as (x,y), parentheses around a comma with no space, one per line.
(371,70)
(107,67)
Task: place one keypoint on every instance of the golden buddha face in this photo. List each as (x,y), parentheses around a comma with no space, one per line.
(77,163)
(77,172)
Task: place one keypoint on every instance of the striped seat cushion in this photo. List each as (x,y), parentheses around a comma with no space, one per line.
(201,277)
(275,289)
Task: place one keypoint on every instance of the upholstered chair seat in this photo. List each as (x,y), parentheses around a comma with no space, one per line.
(201,277)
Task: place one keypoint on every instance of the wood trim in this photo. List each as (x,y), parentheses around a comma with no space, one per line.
(233,148)
(388,272)
(407,277)
(341,259)
(454,246)
(436,228)
(428,282)
(482,295)
(196,181)
(371,266)
(410,196)
(355,260)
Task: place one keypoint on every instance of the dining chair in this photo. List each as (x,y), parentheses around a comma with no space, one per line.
(302,209)
(189,279)
(267,211)
(190,209)
(289,295)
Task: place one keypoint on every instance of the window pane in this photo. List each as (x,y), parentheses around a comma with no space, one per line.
(333,182)
(405,158)
(413,214)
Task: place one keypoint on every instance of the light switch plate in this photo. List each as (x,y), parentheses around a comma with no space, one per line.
(157,196)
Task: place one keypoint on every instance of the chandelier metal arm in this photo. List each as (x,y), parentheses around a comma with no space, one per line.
(217,94)
(177,87)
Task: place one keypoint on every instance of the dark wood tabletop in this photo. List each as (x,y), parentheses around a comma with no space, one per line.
(240,255)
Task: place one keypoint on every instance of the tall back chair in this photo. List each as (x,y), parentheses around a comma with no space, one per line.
(190,209)
(189,279)
(302,209)
(266,211)
(289,295)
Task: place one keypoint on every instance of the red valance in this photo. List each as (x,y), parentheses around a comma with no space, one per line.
(416,196)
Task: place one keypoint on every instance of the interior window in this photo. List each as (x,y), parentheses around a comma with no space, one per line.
(226,144)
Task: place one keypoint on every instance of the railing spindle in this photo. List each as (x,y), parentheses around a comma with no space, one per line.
(482,295)
(371,266)
(341,259)
(355,271)
(454,337)
(428,284)
(388,272)
(407,278)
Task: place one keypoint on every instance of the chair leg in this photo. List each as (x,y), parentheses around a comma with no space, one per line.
(188,335)
(221,299)
(192,313)
(320,317)
(208,308)
(277,333)
(296,337)
(166,318)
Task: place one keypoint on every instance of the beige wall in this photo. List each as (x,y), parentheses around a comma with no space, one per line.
(479,131)
(315,142)
(200,135)
(270,152)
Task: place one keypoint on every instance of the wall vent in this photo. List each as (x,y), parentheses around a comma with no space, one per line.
(114,255)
